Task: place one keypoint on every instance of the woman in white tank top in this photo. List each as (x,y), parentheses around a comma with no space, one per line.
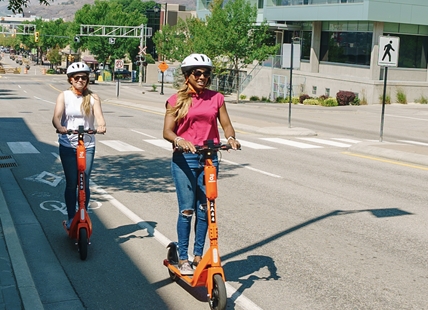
(75,107)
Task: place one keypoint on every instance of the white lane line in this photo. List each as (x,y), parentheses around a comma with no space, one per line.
(347,140)
(121,146)
(413,142)
(408,117)
(232,293)
(142,133)
(292,143)
(251,168)
(326,142)
(160,143)
(22,148)
(252,145)
(38,98)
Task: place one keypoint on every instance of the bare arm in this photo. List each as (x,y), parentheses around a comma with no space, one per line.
(99,116)
(169,134)
(58,112)
(226,124)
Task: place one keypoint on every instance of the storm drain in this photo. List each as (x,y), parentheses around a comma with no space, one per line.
(7,161)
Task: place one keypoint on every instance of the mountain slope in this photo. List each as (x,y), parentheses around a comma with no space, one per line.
(67,9)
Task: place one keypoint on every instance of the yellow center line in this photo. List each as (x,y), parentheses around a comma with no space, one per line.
(394,162)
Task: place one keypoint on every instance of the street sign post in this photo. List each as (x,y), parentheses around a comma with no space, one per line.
(163,66)
(387,57)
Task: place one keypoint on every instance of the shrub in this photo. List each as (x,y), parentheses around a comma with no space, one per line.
(303,97)
(329,102)
(242,97)
(422,99)
(50,71)
(401,97)
(280,99)
(323,97)
(311,102)
(345,97)
(356,101)
(295,100)
(154,86)
(254,98)
(387,99)
(265,99)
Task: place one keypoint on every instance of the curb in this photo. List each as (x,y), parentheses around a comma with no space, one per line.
(24,281)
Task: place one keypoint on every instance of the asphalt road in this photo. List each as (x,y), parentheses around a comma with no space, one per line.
(300,228)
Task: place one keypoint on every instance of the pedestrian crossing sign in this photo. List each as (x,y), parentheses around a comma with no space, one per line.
(388,51)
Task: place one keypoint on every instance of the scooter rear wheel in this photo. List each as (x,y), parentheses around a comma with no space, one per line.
(83,243)
(218,295)
(172,257)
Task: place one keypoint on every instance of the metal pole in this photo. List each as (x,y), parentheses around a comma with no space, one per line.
(117,87)
(140,74)
(161,93)
(383,104)
(291,84)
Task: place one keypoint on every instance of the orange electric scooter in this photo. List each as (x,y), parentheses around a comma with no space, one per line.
(209,272)
(81,226)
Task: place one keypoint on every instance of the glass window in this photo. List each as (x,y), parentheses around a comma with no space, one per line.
(306,45)
(346,47)
(413,51)
(260,4)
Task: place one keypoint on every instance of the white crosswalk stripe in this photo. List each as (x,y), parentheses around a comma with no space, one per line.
(253,145)
(160,143)
(347,140)
(121,146)
(22,148)
(292,143)
(326,142)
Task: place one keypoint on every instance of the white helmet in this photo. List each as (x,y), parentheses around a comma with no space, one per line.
(194,61)
(76,67)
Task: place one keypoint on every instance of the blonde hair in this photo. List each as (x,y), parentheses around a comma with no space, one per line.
(184,101)
(184,98)
(85,107)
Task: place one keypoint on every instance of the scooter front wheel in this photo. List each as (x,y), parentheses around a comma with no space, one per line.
(83,243)
(218,295)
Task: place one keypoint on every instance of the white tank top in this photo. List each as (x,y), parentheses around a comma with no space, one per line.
(73,118)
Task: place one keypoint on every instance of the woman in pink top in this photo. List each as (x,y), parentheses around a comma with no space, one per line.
(190,119)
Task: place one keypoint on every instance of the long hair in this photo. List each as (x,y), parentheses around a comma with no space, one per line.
(85,107)
(184,98)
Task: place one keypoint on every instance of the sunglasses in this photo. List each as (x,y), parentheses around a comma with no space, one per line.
(80,77)
(198,74)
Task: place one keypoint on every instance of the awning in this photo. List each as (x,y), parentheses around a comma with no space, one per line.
(90,60)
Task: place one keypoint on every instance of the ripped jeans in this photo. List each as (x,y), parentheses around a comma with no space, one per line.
(188,174)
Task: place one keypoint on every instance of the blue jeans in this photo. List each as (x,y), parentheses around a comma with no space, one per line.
(69,164)
(188,175)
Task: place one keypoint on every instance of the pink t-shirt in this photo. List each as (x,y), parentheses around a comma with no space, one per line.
(200,123)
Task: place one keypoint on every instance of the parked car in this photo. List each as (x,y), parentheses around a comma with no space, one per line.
(92,77)
(122,75)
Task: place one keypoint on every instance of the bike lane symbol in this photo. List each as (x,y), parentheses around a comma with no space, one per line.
(55,205)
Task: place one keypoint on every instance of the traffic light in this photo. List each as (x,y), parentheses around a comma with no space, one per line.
(36,36)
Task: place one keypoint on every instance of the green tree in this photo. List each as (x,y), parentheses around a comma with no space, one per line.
(110,13)
(177,42)
(54,56)
(235,36)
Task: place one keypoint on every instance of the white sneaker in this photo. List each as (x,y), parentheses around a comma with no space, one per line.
(185,269)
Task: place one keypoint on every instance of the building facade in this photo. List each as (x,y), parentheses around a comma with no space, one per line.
(339,44)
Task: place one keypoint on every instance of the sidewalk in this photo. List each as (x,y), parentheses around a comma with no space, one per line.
(17,288)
